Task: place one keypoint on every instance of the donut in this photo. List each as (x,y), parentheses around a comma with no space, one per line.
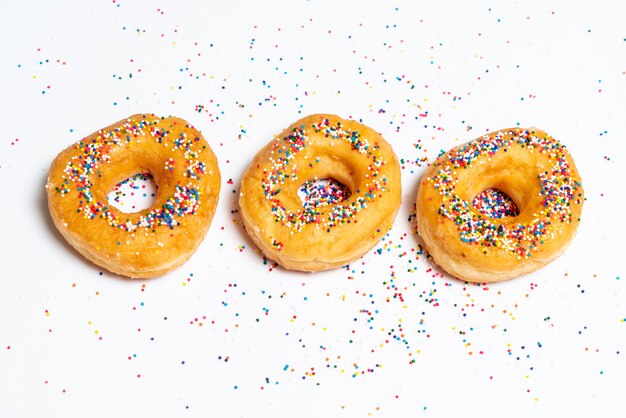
(530,167)
(155,240)
(333,233)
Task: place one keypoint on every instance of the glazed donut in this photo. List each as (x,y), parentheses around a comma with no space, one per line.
(150,242)
(320,237)
(529,166)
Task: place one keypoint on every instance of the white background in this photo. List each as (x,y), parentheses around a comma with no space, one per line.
(229,335)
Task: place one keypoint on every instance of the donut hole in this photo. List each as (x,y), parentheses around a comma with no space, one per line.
(133,194)
(323,192)
(494,203)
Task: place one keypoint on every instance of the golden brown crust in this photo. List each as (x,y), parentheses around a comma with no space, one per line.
(318,147)
(155,240)
(532,168)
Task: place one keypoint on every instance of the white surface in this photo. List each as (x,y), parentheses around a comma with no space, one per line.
(76,342)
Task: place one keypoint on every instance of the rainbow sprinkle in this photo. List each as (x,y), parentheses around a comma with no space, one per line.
(494,203)
(323,193)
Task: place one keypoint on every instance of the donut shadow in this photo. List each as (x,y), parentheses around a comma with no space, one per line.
(51,228)
(262,256)
(54,232)
(241,229)
(412,220)
(420,241)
